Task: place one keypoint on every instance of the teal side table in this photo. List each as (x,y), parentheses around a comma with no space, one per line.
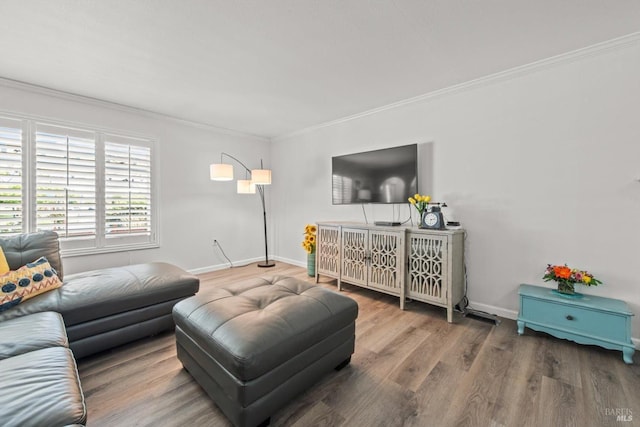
(587,319)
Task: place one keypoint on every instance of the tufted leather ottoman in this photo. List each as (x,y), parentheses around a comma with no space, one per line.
(254,346)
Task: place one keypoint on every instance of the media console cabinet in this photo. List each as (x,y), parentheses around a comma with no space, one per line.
(407,262)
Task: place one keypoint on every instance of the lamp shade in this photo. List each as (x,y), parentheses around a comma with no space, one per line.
(221,172)
(261,176)
(245,186)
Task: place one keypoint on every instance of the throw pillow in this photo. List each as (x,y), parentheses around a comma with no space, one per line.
(4,265)
(27,282)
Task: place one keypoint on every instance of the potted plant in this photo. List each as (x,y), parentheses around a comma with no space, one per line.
(567,278)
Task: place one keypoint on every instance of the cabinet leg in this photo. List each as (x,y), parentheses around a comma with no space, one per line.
(449,315)
(401,302)
(627,354)
(339,284)
(520,327)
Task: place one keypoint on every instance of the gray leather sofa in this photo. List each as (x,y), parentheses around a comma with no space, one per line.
(100,309)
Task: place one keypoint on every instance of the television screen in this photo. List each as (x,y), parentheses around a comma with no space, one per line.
(381,176)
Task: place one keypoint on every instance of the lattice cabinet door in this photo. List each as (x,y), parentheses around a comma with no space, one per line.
(328,251)
(354,256)
(427,268)
(386,252)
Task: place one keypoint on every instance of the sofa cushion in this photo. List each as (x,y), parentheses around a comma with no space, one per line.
(4,266)
(24,248)
(27,282)
(33,332)
(44,389)
(94,294)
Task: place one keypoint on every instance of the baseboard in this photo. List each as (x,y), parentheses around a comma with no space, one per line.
(208,268)
(498,311)
(291,261)
(242,263)
(216,267)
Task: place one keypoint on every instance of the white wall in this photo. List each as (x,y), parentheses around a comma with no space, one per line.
(193,209)
(540,167)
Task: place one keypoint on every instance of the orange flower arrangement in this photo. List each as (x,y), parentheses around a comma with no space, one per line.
(568,277)
(563,272)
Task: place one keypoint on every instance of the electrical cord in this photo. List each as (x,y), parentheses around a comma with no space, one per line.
(366,221)
(408,219)
(215,243)
(463,306)
(410,215)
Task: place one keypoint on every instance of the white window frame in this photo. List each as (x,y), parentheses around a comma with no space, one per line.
(100,243)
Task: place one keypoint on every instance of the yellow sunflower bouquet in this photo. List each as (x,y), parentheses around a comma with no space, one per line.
(309,242)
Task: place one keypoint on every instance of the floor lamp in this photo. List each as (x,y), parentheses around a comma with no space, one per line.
(259,178)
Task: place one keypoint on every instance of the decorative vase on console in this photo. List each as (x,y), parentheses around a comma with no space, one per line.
(567,278)
(309,245)
(565,287)
(420,202)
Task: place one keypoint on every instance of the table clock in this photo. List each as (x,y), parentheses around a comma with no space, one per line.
(433,219)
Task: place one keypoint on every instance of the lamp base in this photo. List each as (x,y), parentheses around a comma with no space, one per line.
(267,264)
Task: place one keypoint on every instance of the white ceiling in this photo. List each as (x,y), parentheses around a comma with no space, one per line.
(271,67)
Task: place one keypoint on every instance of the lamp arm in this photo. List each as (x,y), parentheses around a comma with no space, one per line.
(234,158)
(259,187)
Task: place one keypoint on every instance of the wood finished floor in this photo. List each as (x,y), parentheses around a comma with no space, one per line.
(410,368)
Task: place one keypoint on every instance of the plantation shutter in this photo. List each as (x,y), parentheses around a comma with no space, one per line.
(65,181)
(92,188)
(11,177)
(128,192)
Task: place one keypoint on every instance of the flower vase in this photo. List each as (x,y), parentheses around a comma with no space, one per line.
(311,264)
(421,218)
(566,288)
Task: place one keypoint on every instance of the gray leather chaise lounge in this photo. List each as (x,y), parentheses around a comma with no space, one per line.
(91,312)
(254,346)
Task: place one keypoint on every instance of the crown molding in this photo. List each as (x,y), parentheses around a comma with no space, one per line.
(511,73)
(593,50)
(68,96)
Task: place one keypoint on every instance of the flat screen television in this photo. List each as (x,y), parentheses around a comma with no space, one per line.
(381,176)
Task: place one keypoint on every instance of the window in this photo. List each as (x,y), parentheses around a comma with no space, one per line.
(94,189)
(65,181)
(127,188)
(10,177)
